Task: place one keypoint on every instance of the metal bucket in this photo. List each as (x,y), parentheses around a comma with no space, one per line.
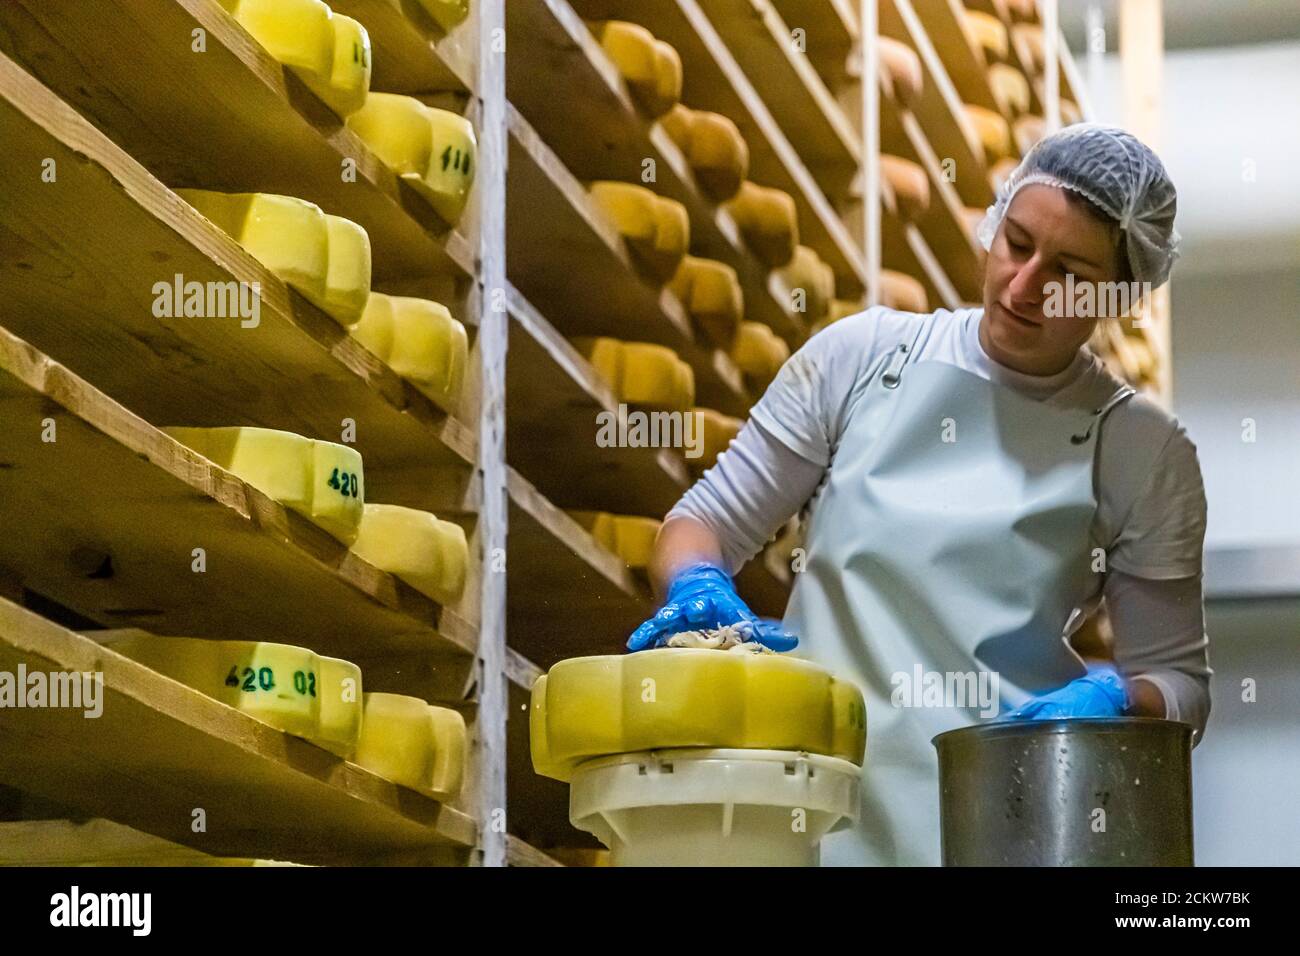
(1097,792)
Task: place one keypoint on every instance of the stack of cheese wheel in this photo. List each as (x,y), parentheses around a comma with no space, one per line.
(657,230)
(907,191)
(714,149)
(651,68)
(768,220)
(759,353)
(640,373)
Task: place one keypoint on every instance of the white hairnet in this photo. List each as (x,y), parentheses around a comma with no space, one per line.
(1116,172)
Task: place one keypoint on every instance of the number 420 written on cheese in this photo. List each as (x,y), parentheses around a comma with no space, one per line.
(345,483)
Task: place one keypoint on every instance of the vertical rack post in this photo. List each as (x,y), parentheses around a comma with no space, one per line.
(869,40)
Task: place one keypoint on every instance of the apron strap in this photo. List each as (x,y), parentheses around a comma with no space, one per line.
(1122,395)
(901,355)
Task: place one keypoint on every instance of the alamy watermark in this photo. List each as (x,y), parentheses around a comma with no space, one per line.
(966,689)
(1094,300)
(208,300)
(640,429)
(75,690)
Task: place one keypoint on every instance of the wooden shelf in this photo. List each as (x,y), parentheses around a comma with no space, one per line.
(160,749)
(567,578)
(609,139)
(831,34)
(410,53)
(569,261)
(999,10)
(791,89)
(966,65)
(940,109)
(520,853)
(554,396)
(105,517)
(713,80)
(237,122)
(85,297)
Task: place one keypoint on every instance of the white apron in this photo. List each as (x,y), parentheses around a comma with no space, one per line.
(952,536)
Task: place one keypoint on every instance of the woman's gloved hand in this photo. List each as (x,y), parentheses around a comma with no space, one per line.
(1100,694)
(700,598)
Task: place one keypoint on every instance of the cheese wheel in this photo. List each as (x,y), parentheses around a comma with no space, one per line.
(714,149)
(631,537)
(446,13)
(716,432)
(993,134)
(656,230)
(344,88)
(1010,89)
(985,32)
(426,552)
(347,279)
(291,688)
(640,373)
(1001,171)
(297,33)
(672,239)
(413,743)
(900,72)
(590,707)
(768,220)
(668,79)
(1028,38)
(434,150)
(1070,113)
(908,184)
(419,340)
(711,293)
(902,292)
(1028,130)
(759,353)
(287,235)
(809,282)
(320,480)
(651,69)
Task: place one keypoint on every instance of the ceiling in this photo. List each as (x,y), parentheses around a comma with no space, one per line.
(1195,23)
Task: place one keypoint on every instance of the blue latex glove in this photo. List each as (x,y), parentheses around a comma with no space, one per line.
(702,597)
(1100,694)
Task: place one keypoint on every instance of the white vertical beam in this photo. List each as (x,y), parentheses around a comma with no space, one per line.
(1051,65)
(869,34)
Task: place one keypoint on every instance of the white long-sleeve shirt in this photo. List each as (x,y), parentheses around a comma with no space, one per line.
(1152,521)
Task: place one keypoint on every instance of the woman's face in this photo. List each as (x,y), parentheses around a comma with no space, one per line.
(1043,237)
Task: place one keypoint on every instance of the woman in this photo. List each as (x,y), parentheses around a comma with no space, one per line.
(977,483)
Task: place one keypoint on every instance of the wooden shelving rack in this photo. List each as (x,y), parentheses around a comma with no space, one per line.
(115,95)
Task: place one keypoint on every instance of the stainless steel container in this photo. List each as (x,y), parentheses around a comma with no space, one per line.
(1098,792)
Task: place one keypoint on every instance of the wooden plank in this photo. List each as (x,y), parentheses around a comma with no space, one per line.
(230,118)
(520,853)
(568,595)
(713,80)
(940,109)
(86,298)
(553,399)
(571,263)
(791,89)
(965,63)
(609,139)
(158,750)
(410,53)
(996,8)
(105,517)
(99,842)
(830,31)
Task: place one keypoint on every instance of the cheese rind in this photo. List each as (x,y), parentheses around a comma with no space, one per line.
(759,353)
(711,293)
(713,147)
(811,283)
(320,480)
(651,68)
(986,32)
(992,133)
(419,340)
(1010,89)
(716,433)
(768,220)
(641,373)
(903,292)
(656,230)
(413,743)
(909,185)
(631,537)
(345,86)
(347,281)
(298,33)
(598,706)
(901,70)
(289,236)
(429,554)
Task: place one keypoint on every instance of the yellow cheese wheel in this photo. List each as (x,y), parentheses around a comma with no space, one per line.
(1070,113)
(631,537)
(347,280)
(419,340)
(809,282)
(902,292)
(412,743)
(657,230)
(297,33)
(290,688)
(434,150)
(759,353)
(992,132)
(668,79)
(768,220)
(320,480)
(345,86)
(711,293)
(986,33)
(900,72)
(641,373)
(672,239)
(287,235)
(714,149)
(590,707)
(446,13)
(909,185)
(426,552)
(716,430)
(1029,40)
(1010,89)
(651,68)
(1028,130)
